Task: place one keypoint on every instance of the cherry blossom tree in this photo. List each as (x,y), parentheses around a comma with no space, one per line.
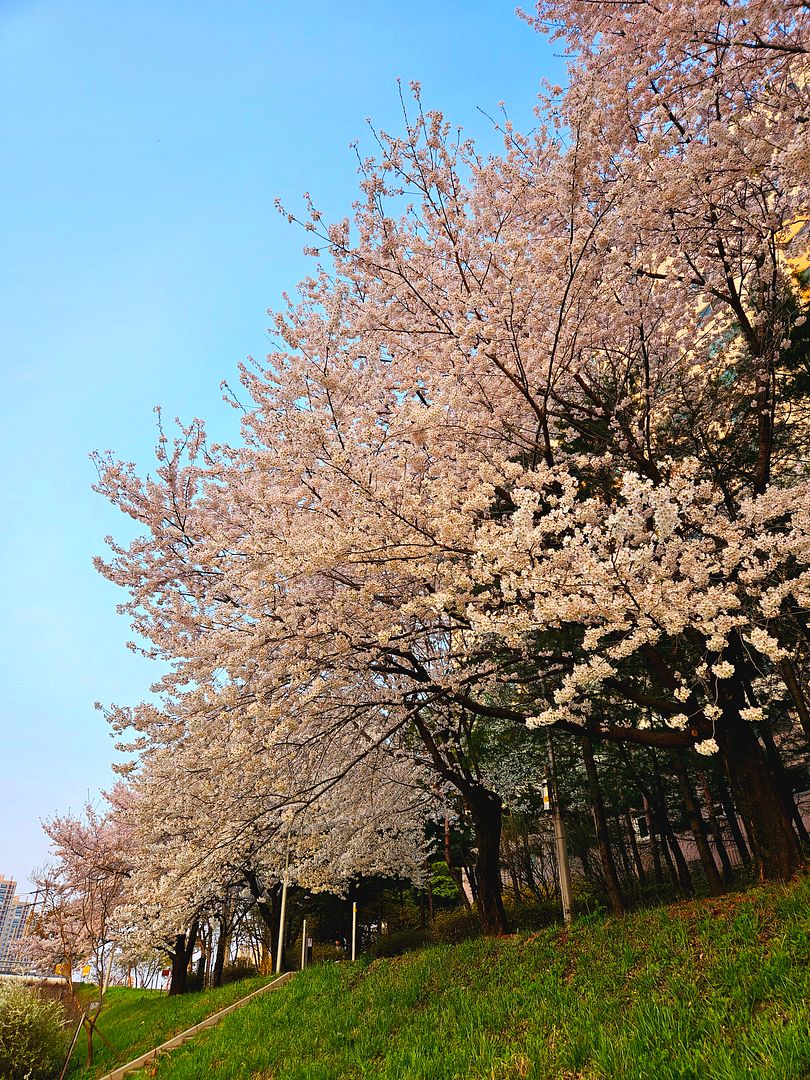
(529,450)
(247,810)
(80,896)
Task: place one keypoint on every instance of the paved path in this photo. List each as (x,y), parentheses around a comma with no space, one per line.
(189,1033)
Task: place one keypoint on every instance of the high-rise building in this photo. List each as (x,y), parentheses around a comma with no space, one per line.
(13,916)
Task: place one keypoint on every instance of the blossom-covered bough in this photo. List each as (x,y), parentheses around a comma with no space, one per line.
(532,447)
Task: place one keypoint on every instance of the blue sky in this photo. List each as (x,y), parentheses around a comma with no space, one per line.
(143,146)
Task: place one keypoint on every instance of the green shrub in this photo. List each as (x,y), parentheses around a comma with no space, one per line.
(450,927)
(587,897)
(33,1040)
(322,954)
(398,942)
(533,916)
(241,968)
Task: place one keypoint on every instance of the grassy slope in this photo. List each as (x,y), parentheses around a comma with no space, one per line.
(710,989)
(135,1021)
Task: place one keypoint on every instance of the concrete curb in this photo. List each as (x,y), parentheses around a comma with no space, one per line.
(189,1033)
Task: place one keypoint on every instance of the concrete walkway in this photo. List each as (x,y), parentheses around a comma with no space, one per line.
(184,1036)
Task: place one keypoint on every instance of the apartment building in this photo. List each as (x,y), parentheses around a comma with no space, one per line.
(13,916)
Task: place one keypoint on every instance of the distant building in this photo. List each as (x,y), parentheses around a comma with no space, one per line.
(13,918)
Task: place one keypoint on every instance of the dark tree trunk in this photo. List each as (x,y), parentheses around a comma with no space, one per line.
(714,826)
(486,810)
(583,853)
(267,902)
(631,836)
(179,977)
(656,854)
(221,953)
(782,781)
(696,824)
(667,834)
(622,847)
(666,851)
(797,694)
(602,835)
(756,791)
(730,810)
(181,956)
(684,877)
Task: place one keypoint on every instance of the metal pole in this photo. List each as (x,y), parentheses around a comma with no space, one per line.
(304,945)
(354,930)
(560,841)
(282,917)
(70,1051)
(283,914)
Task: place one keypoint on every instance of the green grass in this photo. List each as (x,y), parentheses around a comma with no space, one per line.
(134,1021)
(713,989)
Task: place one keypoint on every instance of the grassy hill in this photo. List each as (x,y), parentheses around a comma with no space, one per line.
(715,989)
(134,1021)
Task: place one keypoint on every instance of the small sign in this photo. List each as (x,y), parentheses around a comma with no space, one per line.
(85,971)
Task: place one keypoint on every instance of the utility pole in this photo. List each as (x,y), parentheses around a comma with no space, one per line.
(560,842)
(354,930)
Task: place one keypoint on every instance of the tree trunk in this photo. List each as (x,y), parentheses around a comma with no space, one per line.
(266,905)
(183,950)
(782,781)
(631,834)
(222,950)
(622,847)
(797,694)
(179,976)
(666,851)
(696,824)
(486,810)
(667,833)
(684,877)
(730,810)
(581,848)
(714,825)
(656,854)
(602,835)
(756,791)
(88,1030)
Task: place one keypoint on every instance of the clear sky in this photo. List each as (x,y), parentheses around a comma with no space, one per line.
(142,147)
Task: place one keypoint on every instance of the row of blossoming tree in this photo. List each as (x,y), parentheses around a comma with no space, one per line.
(528,461)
